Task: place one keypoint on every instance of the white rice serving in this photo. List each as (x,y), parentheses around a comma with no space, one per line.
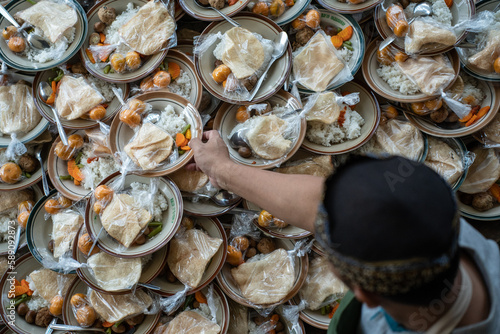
(36,302)
(5,218)
(345,54)
(330,134)
(181,86)
(142,194)
(171,122)
(96,170)
(111,32)
(105,88)
(440,12)
(396,79)
(471,89)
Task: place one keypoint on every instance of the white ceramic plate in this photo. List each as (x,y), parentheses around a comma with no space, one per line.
(207,14)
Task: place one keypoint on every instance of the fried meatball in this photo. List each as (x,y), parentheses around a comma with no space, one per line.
(107,15)
(452,118)
(28,163)
(304,35)
(266,246)
(43,317)
(218,4)
(439,116)
(136,320)
(249,82)
(482,202)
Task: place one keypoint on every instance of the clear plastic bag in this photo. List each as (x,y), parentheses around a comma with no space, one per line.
(189,254)
(194,182)
(49,284)
(429,33)
(269,136)
(130,215)
(490,135)
(65,226)
(320,165)
(241,58)
(113,273)
(483,173)
(318,65)
(448,162)
(270,8)
(326,107)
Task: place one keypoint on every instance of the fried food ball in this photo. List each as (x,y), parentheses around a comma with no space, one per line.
(17,44)
(391,112)
(103,193)
(10,173)
(43,317)
(28,163)
(277,8)
(299,23)
(99,26)
(52,206)
(98,207)
(401,57)
(261,8)
(221,73)
(147,84)
(162,79)
(242,114)
(8,32)
(245,152)
(85,243)
(97,113)
(133,60)
(64,202)
(85,315)
(137,105)
(22,218)
(265,219)
(434,104)
(241,242)
(439,116)
(234,256)
(117,61)
(64,152)
(312,19)
(251,252)
(25,206)
(266,246)
(107,15)
(94,38)
(187,222)
(75,141)
(56,304)
(496,65)
(385,56)
(483,202)
(304,35)
(78,300)
(130,117)
(279,223)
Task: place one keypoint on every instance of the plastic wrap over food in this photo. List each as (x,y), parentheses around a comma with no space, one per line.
(320,165)
(18,113)
(76,98)
(449,162)
(290,316)
(326,107)
(396,137)
(490,135)
(99,141)
(483,173)
(65,226)
(126,213)
(116,308)
(317,65)
(265,279)
(195,183)
(484,31)
(241,58)
(113,273)
(315,292)
(426,32)
(432,74)
(269,136)
(190,251)
(396,20)
(191,321)
(270,8)
(242,225)
(64,264)
(49,284)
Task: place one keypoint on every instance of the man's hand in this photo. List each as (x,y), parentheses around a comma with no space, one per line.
(211,157)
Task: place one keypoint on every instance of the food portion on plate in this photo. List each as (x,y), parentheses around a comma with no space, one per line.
(490,134)
(413,75)
(272,9)
(79,95)
(264,131)
(241,58)
(424,33)
(156,143)
(219,4)
(320,165)
(116,313)
(330,120)
(190,252)
(170,76)
(122,41)
(88,158)
(15,206)
(322,291)
(131,216)
(14,168)
(447,161)
(39,296)
(18,114)
(481,189)
(396,137)
(54,21)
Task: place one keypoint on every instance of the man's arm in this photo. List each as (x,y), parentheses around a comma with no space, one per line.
(293,198)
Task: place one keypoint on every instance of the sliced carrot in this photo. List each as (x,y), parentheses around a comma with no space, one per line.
(103,37)
(332,312)
(346,33)
(483,111)
(495,191)
(337,41)
(274,319)
(188,134)
(471,121)
(90,55)
(104,55)
(174,69)
(448,3)
(16,282)
(54,85)
(467,118)
(74,171)
(185,148)
(180,140)
(25,283)
(200,297)
(51,98)
(289,3)
(106,324)
(20,290)
(232,2)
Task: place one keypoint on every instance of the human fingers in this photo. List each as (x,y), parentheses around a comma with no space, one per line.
(210,134)
(195,144)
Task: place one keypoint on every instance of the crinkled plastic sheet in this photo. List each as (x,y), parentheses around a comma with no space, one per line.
(318,65)
(245,56)
(483,173)
(427,33)
(444,157)
(126,212)
(150,31)
(190,251)
(113,273)
(242,225)
(270,136)
(325,107)
(490,135)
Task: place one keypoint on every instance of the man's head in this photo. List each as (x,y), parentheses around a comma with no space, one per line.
(391,229)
